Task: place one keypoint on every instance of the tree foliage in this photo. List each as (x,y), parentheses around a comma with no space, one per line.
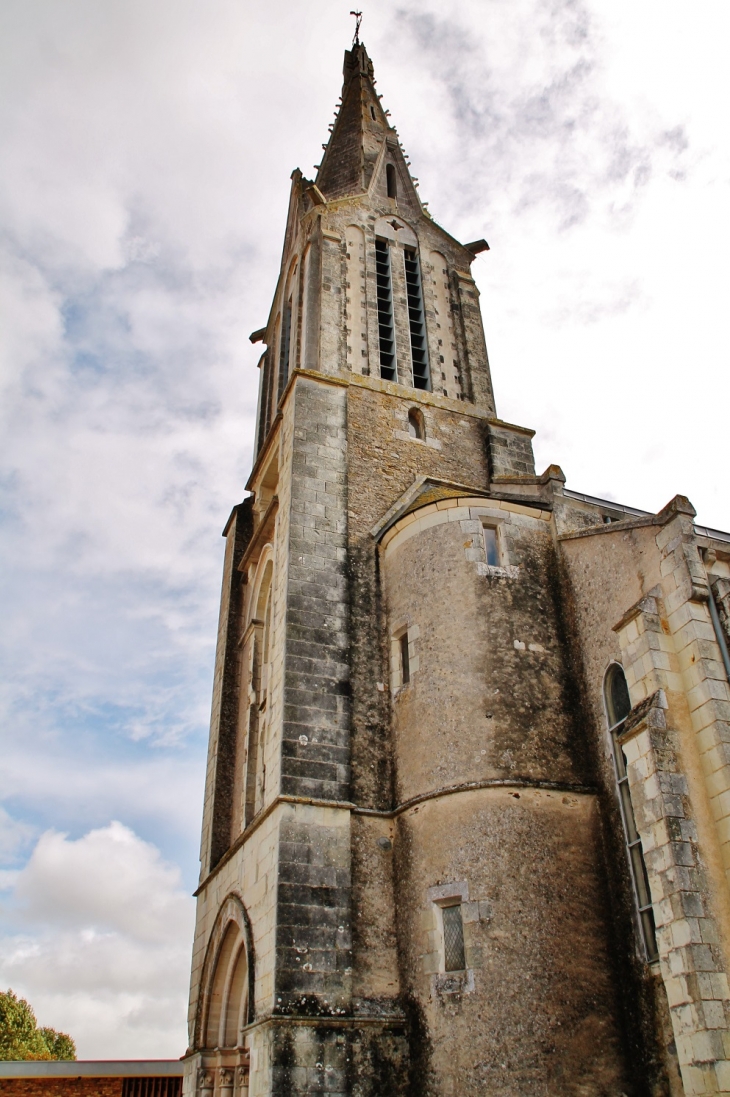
(20,1037)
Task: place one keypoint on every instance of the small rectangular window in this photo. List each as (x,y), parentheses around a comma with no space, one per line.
(454,959)
(404,660)
(490,544)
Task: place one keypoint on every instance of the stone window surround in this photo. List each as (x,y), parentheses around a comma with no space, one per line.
(472,911)
(482,518)
(400,414)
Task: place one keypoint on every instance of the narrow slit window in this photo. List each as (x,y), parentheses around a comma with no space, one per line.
(491,546)
(391,181)
(618,707)
(416,427)
(265,409)
(405,664)
(388,369)
(454,959)
(417,322)
(284,347)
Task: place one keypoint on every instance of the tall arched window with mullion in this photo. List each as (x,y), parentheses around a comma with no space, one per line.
(618,707)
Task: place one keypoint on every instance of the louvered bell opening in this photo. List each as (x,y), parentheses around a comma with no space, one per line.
(385,312)
(419,348)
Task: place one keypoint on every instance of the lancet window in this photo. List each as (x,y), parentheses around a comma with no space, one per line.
(391,180)
(284,349)
(618,707)
(227,977)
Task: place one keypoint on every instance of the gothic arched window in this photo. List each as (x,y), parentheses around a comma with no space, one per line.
(227,980)
(618,707)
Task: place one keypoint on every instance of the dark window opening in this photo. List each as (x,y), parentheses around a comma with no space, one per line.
(454,959)
(391,181)
(265,408)
(618,701)
(491,547)
(719,632)
(372,113)
(388,369)
(618,705)
(152,1087)
(417,322)
(416,427)
(284,346)
(405,664)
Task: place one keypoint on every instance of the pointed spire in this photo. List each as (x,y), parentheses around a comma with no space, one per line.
(360,131)
(342,171)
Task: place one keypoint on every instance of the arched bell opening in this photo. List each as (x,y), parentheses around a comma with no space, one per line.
(228,980)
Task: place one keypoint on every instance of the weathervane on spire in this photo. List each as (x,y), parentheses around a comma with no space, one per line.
(358,21)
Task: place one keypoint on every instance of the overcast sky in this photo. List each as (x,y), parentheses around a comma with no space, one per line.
(147,147)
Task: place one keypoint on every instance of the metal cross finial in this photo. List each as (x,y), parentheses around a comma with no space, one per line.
(358,21)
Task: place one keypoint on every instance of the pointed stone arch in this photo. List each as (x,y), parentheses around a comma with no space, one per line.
(259,630)
(226,1003)
(261,583)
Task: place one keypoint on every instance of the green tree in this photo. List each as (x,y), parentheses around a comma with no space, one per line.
(20,1037)
(59,1044)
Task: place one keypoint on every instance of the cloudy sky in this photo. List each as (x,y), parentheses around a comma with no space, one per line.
(147,147)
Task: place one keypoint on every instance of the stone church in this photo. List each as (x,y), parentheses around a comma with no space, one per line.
(467,812)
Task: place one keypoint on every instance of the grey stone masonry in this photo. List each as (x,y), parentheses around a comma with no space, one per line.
(477,379)
(687,933)
(313,937)
(510,451)
(315,744)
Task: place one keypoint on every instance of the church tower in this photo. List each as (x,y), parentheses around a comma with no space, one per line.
(429,854)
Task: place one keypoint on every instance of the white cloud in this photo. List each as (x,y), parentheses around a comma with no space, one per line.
(105,946)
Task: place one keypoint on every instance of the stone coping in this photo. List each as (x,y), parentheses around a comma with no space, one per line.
(94,1068)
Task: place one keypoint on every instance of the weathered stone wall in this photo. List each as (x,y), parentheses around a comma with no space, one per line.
(375,965)
(538,1011)
(510,452)
(315,745)
(489,696)
(604,572)
(383,461)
